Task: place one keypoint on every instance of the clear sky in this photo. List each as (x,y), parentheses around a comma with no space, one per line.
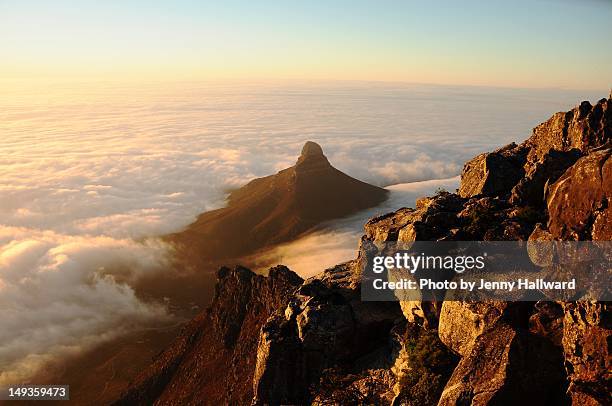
(520,43)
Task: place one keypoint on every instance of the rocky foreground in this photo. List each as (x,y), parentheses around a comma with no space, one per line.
(281,340)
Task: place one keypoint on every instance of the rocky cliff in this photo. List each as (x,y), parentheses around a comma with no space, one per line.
(279,340)
(213,358)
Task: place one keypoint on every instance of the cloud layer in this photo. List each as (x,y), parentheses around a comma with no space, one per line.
(61,293)
(87,173)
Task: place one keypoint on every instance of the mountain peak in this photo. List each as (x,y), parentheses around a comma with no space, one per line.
(311,148)
(311,152)
(278,208)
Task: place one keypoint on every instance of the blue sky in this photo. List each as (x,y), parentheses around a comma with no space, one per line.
(535,43)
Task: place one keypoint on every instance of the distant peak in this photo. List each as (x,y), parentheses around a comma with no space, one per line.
(311,148)
(312,153)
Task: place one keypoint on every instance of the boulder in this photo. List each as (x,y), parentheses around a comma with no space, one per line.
(507,367)
(579,201)
(461,323)
(494,173)
(529,191)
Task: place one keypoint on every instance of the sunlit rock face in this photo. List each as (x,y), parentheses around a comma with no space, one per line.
(586,343)
(494,173)
(584,128)
(566,135)
(579,202)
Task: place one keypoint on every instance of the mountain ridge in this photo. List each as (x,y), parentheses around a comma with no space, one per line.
(277,208)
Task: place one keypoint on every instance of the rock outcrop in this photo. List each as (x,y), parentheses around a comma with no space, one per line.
(432,219)
(506,367)
(325,325)
(530,190)
(214,356)
(579,203)
(583,128)
(493,173)
(587,332)
(461,323)
(553,147)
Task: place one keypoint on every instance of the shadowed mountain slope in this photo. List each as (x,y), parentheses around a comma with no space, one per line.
(277,208)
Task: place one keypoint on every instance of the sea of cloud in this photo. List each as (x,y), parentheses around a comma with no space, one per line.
(88,173)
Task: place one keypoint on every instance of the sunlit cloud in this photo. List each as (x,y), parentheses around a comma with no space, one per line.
(60,294)
(88,174)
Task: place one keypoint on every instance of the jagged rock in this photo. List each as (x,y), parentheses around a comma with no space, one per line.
(214,356)
(507,367)
(587,328)
(280,367)
(235,291)
(346,275)
(500,351)
(424,313)
(579,202)
(585,127)
(461,323)
(386,227)
(493,173)
(430,220)
(529,191)
(323,326)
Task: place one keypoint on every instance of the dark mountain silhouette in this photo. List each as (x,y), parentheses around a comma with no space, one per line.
(277,208)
